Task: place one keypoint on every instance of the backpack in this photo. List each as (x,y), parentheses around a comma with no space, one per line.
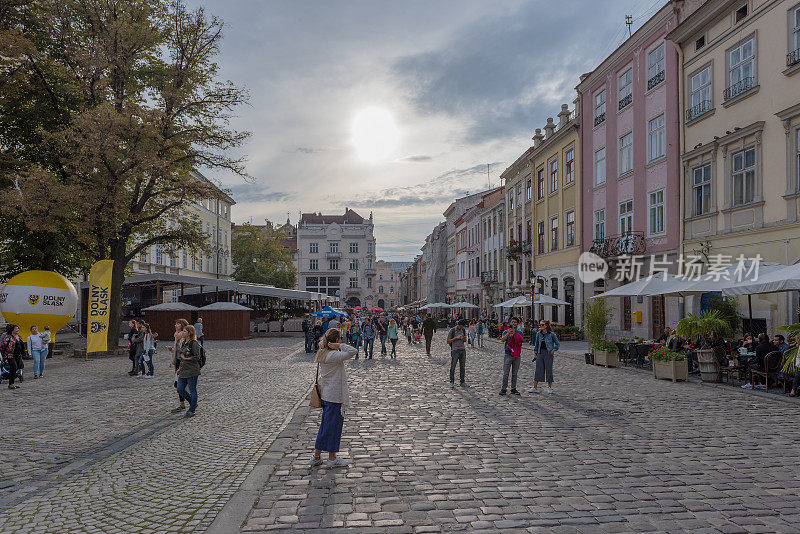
(202,356)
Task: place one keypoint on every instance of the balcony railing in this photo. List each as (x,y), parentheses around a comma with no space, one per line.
(333,255)
(488,277)
(698,110)
(743,85)
(625,101)
(600,119)
(618,245)
(526,247)
(655,80)
(514,249)
(370,272)
(793,58)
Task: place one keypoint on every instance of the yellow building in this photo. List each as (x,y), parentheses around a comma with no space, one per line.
(740,75)
(517,179)
(556,216)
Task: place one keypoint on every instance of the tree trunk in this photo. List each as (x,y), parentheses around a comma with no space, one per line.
(115,303)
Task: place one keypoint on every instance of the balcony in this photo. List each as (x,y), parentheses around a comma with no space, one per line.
(514,249)
(333,255)
(700,109)
(742,86)
(655,80)
(526,247)
(370,272)
(600,119)
(626,101)
(632,243)
(793,58)
(488,277)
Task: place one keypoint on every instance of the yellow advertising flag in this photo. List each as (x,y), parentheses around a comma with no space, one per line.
(99,300)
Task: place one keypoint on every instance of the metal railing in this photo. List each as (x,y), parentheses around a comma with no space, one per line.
(655,80)
(600,119)
(488,277)
(698,110)
(333,255)
(618,245)
(742,86)
(626,101)
(793,58)
(526,247)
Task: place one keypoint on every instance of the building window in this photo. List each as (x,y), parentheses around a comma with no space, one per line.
(626,153)
(554,176)
(353,283)
(700,43)
(184,258)
(333,246)
(554,233)
(143,256)
(656,137)
(369,283)
(194,262)
(380,289)
(742,64)
(511,201)
(369,247)
(701,190)
(599,225)
(626,217)
(569,166)
(655,67)
(657,212)
(333,265)
(313,265)
(600,166)
(741,13)
(700,85)
(540,237)
(353,264)
(600,107)
(159,255)
(354,248)
(313,248)
(529,190)
(540,184)
(570,224)
(744,176)
(794,46)
(519,194)
(797,158)
(626,88)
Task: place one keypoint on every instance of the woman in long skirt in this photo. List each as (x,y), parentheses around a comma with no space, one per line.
(546,344)
(335,396)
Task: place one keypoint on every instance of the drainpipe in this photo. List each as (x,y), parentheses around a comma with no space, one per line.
(681,143)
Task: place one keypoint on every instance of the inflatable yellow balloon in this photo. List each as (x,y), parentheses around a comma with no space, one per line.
(38,298)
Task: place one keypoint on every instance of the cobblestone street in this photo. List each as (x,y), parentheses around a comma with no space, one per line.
(611,450)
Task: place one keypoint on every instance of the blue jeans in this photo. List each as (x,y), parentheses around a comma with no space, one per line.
(191,395)
(383,343)
(369,343)
(38,360)
(149,364)
(309,342)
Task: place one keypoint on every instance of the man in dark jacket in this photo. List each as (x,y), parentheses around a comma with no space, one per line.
(308,335)
(428,329)
(383,330)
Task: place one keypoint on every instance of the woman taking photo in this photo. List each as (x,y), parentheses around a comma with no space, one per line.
(189,368)
(335,397)
(546,344)
(393,332)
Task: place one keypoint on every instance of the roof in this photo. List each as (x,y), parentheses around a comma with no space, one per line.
(223,195)
(172,306)
(290,243)
(517,165)
(225,306)
(349,217)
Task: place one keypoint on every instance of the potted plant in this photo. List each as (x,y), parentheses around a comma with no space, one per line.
(605,353)
(699,328)
(669,364)
(596,316)
(567,333)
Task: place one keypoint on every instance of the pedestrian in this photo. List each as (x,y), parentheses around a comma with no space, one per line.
(392,334)
(10,345)
(428,329)
(190,368)
(308,334)
(37,348)
(355,335)
(201,334)
(148,351)
(546,344)
(335,397)
(472,331)
(317,332)
(368,331)
(481,328)
(133,334)
(513,340)
(383,328)
(180,324)
(456,338)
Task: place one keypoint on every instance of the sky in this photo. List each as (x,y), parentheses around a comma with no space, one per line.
(464,82)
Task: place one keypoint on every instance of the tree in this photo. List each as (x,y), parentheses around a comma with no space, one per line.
(125,106)
(260,257)
(596,316)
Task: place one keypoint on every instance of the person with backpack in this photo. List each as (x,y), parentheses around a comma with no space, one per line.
(368,332)
(545,344)
(316,333)
(457,338)
(513,341)
(192,359)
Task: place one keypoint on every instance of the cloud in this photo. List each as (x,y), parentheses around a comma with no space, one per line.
(306,150)
(248,193)
(416,159)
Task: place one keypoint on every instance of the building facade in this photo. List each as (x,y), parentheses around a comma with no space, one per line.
(740,105)
(452,214)
(555,161)
(434,261)
(388,283)
(493,251)
(518,186)
(468,258)
(336,256)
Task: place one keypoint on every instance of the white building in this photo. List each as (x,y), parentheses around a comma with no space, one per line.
(336,256)
(493,254)
(452,214)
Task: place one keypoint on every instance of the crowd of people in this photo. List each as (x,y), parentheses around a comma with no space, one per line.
(13,350)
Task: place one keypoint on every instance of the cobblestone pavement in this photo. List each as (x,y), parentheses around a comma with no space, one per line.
(90,449)
(609,451)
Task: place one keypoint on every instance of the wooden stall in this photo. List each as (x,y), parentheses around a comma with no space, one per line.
(162,317)
(225,320)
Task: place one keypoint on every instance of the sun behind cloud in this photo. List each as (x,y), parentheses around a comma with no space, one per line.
(375,135)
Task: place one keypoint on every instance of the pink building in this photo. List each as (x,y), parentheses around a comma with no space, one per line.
(468,259)
(631,164)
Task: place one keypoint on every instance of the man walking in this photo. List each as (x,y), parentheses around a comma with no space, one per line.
(428,329)
(368,332)
(458,352)
(198,329)
(383,328)
(513,340)
(307,333)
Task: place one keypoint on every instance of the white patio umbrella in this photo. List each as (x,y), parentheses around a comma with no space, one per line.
(435,305)
(649,285)
(463,305)
(548,300)
(774,280)
(514,302)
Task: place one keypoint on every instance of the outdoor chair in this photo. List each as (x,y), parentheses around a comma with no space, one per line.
(772,366)
(641,354)
(622,349)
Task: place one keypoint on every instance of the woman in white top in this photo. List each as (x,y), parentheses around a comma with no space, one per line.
(149,350)
(334,394)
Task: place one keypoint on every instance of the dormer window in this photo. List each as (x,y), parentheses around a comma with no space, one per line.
(741,13)
(700,43)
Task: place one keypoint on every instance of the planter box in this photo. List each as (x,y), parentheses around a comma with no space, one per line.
(607,359)
(672,370)
(709,368)
(569,336)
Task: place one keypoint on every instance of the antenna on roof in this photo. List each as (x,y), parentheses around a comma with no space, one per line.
(488,178)
(629,23)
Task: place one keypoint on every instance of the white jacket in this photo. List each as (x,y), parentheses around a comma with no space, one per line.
(333,375)
(35,343)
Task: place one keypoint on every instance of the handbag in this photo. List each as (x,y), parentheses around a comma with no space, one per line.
(316,396)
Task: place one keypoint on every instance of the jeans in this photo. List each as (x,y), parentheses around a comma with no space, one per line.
(383,343)
(357,345)
(191,394)
(460,356)
(309,342)
(394,346)
(480,339)
(201,339)
(38,360)
(544,367)
(471,339)
(149,362)
(428,338)
(369,346)
(510,363)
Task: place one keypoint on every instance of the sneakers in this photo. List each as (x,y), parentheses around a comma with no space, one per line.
(747,386)
(35,377)
(502,392)
(148,376)
(452,384)
(533,390)
(514,392)
(338,462)
(189,414)
(179,409)
(464,385)
(549,389)
(314,462)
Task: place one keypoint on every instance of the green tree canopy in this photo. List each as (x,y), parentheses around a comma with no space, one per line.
(260,257)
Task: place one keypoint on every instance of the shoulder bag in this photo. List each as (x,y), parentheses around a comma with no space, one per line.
(316,394)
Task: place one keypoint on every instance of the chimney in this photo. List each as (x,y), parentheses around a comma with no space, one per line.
(537,139)
(549,128)
(563,117)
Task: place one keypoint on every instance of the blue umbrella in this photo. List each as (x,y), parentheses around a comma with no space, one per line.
(328,312)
